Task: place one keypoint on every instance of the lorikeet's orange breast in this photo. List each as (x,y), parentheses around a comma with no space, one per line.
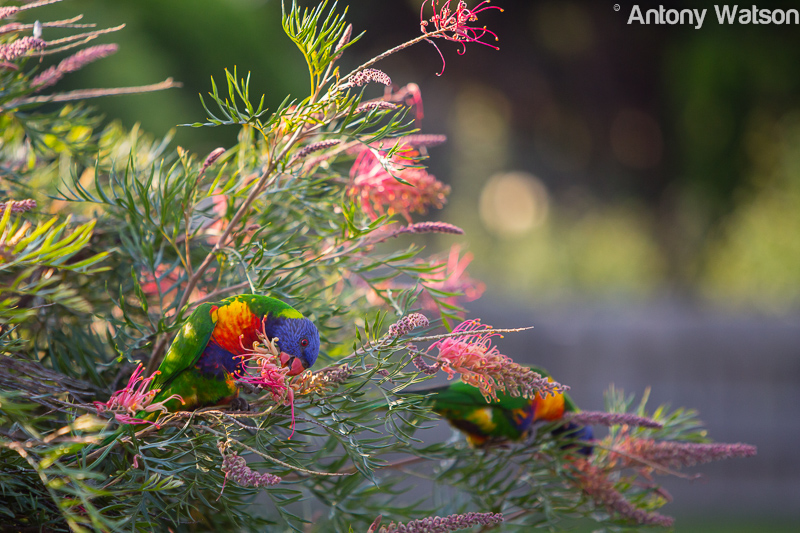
(236,326)
(550,407)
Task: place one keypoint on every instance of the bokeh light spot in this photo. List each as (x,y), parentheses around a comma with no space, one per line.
(513,203)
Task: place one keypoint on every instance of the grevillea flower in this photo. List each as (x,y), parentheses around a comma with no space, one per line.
(443,524)
(454,25)
(381,192)
(601,418)
(451,276)
(262,368)
(678,454)
(481,365)
(72,63)
(594,482)
(235,467)
(134,398)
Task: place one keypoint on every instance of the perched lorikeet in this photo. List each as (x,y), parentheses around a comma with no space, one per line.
(202,361)
(507,419)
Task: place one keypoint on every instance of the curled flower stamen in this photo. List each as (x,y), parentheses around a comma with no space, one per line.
(456,24)
(136,397)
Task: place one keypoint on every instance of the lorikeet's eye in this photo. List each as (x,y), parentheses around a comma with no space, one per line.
(303,342)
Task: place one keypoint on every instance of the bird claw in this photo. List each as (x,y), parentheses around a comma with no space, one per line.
(239,404)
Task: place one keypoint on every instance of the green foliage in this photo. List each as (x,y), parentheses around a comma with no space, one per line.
(158,231)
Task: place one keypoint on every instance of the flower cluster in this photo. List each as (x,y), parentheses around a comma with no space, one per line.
(368,75)
(15,50)
(73,63)
(376,182)
(136,397)
(601,418)
(235,467)
(481,365)
(446,524)
(454,25)
(18,206)
(677,454)
(407,324)
(594,482)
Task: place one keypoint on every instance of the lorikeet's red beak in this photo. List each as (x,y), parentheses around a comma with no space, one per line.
(295,365)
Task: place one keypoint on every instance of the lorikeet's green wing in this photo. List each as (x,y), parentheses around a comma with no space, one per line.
(466,409)
(187,347)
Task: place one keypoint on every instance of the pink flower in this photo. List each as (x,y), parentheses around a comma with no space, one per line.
(455,25)
(263,368)
(135,398)
(381,192)
(481,365)
(452,278)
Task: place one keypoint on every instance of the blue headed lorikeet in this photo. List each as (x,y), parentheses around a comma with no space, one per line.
(203,360)
(508,418)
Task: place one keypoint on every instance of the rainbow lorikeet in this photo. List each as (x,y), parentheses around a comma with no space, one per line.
(508,418)
(203,360)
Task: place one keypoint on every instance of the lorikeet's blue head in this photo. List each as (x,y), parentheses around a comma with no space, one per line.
(298,340)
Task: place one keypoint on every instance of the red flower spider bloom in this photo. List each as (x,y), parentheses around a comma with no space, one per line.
(374,181)
(454,25)
(481,365)
(135,398)
(452,278)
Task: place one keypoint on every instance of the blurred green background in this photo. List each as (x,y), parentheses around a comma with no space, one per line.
(587,156)
(634,171)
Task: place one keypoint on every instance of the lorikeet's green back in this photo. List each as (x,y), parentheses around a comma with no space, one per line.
(508,418)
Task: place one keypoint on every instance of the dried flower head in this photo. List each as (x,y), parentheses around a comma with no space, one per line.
(446,524)
(72,63)
(8,11)
(211,158)
(368,75)
(600,418)
(481,365)
(454,25)
(407,324)
(134,398)
(595,483)
(678,454)
(424,367)
(18,206)
(235,467)
(380,192)
(12,51)
(348,32)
